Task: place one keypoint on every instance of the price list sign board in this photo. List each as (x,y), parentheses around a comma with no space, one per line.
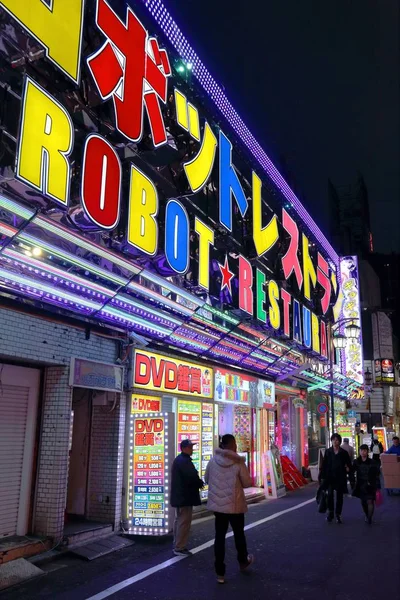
(149,466)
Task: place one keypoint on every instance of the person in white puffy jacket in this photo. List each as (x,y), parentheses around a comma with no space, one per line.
(226,476)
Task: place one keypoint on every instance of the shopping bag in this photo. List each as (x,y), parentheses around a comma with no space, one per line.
(379,498)
(322,500)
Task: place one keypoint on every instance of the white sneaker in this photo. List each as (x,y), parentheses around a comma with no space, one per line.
(220,579)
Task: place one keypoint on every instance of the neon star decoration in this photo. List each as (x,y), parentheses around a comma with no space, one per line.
(227,275)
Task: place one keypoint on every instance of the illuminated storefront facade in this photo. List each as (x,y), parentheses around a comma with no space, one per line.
(136,205)
(185,389)
(207,402)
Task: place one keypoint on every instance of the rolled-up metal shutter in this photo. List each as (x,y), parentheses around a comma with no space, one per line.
(18,404)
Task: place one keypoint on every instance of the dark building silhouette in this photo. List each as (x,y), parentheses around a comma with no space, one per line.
(350,226)
(350,233)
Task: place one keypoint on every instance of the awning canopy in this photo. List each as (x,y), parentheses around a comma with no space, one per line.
(49,263)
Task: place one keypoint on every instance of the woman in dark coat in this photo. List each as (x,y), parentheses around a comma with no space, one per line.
(366,472)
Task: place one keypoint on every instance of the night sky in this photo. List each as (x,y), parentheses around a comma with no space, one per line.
(317,81)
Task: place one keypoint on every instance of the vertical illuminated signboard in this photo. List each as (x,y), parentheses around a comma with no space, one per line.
(195,422)
(206,440)
(352,314)
(150,453)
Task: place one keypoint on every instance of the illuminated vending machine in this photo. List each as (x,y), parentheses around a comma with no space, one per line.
(151,452)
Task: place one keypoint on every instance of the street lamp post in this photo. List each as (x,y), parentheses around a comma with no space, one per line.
(368,384)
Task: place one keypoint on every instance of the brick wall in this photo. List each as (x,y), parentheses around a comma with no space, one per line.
(37,340)
(32,338)
(106,463)
(53,458)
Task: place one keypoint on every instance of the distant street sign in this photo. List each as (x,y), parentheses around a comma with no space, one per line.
(322,408)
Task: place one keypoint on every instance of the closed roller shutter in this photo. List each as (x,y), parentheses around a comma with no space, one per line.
(17,424)
(13,417)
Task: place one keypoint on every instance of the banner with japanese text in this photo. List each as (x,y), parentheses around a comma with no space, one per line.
(164,374)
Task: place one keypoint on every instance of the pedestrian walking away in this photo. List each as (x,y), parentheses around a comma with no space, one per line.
(185,493)
(333,477)
(367,482)
(227,475)
(395,448)
(346,446)
(376,449)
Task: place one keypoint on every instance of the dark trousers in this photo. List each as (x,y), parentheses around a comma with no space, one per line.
(331,501)
(222,522)
(368,508)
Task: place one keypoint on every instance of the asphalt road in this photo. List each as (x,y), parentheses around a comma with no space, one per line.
(298,556)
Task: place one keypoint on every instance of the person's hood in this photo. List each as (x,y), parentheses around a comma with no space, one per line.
(227,458)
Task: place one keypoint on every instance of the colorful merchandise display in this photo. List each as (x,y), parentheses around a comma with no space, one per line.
(242,428)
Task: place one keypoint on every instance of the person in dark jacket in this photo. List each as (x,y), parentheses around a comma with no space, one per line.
(333,476)
(366,473)
(185,493)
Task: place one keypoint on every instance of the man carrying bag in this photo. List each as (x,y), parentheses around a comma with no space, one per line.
(333,477)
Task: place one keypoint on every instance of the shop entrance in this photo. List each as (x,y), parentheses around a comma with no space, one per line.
(79,455)
(291,433)
(265,437)
(94,463)
(236,419)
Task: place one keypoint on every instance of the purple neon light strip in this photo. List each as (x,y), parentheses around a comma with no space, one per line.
(41,287)
(39,266)
(161,15)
